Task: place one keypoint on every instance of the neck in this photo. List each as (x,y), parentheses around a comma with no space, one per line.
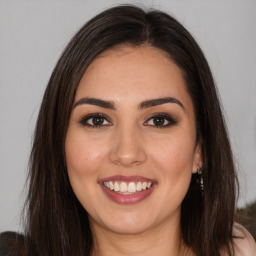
(161,240)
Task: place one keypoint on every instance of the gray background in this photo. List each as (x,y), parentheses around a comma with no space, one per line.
(34,33)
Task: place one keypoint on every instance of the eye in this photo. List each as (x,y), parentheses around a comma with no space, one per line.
(160,120)
(95,120)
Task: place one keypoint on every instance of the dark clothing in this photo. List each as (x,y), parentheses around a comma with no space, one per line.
(11,243)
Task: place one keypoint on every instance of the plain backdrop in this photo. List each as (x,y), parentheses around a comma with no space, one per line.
(33,35)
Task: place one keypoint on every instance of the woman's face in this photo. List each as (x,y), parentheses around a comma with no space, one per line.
(131,141)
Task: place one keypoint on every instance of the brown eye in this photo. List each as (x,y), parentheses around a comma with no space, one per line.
(160,121)
(95,121)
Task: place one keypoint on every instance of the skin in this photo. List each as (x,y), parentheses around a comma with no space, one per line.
(129,143)
(245,243)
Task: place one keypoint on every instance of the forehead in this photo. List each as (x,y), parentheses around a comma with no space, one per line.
(136,73)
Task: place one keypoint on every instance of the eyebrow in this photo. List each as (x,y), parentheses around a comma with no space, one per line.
(143,105)
(160,101)
(96,102)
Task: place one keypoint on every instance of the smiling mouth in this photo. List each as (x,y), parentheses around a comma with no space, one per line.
(127,188)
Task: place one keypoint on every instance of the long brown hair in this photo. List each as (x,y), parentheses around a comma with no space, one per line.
(56,223)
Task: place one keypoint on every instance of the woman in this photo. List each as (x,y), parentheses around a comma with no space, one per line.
(131,154)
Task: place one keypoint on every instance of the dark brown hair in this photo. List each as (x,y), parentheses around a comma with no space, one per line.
(56,223)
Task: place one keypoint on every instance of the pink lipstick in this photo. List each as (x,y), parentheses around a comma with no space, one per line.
(127,189)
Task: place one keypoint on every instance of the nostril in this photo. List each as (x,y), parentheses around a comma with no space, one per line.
(127,147)
(131,158)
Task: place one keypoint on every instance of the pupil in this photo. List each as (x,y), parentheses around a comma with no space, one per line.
(158,121)
(97,120)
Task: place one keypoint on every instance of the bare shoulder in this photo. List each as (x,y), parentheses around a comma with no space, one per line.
(244,243)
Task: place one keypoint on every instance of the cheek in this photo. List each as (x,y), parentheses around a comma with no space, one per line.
(81,152)
(84,157)
(174,156)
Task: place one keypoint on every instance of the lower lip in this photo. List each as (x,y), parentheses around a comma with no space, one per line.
(128,199)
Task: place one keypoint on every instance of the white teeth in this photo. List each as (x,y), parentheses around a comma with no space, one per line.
(139,186)
(116,186)
(131,187)
(127,187)
(123,187)
(111,185)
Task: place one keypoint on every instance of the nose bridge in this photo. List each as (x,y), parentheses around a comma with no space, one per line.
(127,149)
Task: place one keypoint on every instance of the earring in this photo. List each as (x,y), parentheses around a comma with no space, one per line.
(201,181)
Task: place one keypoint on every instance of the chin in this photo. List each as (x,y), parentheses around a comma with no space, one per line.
(131,224)
(128,229)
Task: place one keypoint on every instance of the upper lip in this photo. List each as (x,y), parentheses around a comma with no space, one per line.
(134,178)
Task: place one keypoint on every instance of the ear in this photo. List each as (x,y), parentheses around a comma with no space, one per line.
(198,157)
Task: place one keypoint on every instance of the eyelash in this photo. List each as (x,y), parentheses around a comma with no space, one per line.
(171,121)
(85,119)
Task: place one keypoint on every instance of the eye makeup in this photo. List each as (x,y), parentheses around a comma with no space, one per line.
(156,120)
(160,120)
(95,120)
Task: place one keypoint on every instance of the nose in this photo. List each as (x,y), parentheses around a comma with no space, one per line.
(127,148)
